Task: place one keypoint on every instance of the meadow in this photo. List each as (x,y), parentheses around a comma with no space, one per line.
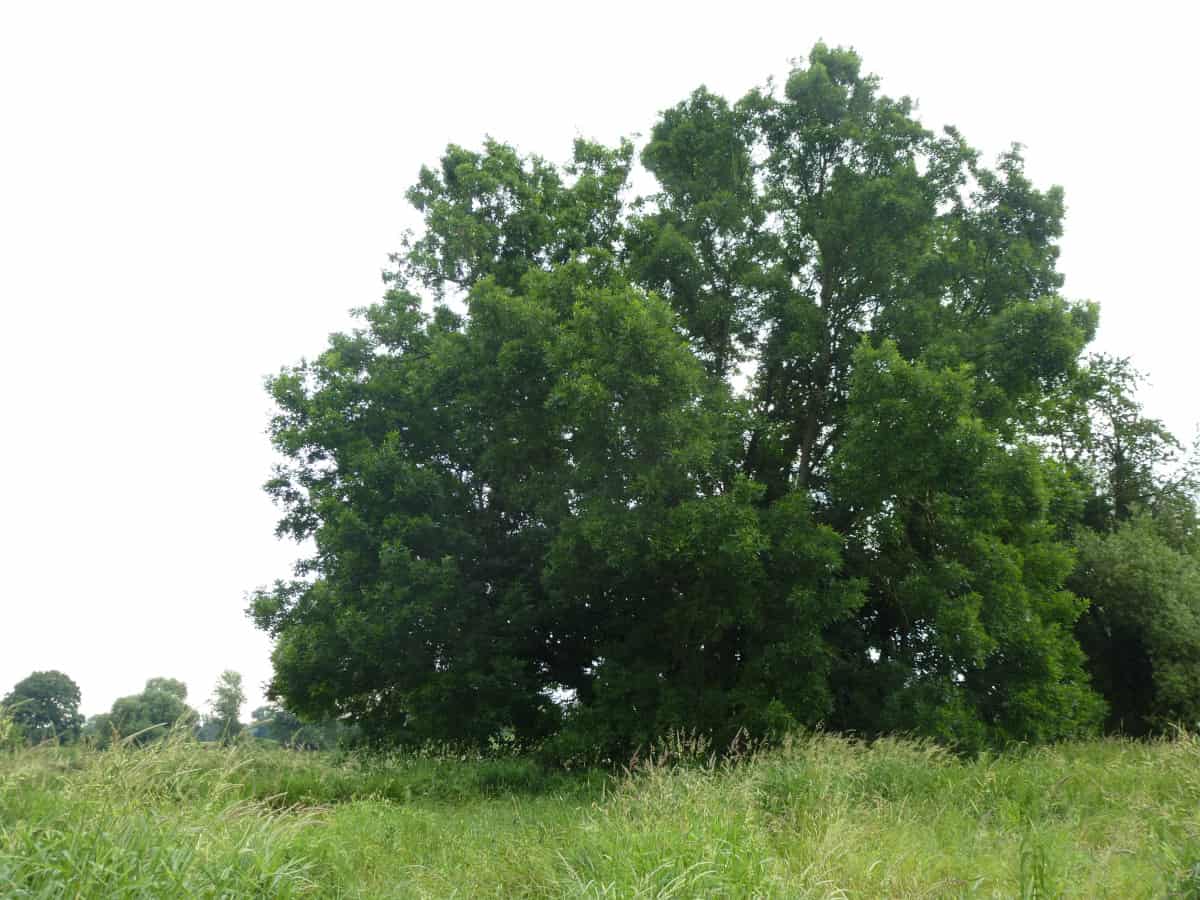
(817,816)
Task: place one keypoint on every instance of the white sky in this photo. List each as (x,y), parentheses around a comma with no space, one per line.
(192,195)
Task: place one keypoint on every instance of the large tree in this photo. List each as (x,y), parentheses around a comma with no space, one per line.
(45,705)
(774,444)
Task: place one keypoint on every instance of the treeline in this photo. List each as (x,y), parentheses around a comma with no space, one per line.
(806,436)
(45,707)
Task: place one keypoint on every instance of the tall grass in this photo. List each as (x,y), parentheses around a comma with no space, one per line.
(819,816)
(169,820)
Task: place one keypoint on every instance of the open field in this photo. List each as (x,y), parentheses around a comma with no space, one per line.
(818,817)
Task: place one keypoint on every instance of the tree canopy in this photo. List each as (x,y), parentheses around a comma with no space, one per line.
(147,716)
(226,704)
(804,436)
(45,706)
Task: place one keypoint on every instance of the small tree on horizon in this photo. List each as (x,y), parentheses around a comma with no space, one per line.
(227,699)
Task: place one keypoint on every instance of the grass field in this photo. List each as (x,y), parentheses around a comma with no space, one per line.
(818,817)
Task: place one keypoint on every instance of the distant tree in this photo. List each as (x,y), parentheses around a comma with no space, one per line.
(226,704)
(274,723)
(45,705)
(148,715)
(99,729)
(209,729)
(169,685)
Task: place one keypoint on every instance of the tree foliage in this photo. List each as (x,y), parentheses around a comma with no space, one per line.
(1142,633)
(45,706)
(226,703)
(169,686)
(146,716)
(806,435)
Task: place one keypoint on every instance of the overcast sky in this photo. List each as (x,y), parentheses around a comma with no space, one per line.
(192,195)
